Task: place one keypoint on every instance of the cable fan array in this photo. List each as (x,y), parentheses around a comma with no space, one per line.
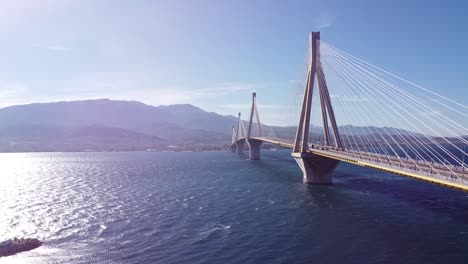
(381,113)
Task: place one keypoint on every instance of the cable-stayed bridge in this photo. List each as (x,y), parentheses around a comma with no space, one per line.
(389,123)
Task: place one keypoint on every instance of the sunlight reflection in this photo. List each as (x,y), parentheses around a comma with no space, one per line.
(14,165)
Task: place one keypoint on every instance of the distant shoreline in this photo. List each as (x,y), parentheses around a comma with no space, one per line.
(175,147)
(116,151)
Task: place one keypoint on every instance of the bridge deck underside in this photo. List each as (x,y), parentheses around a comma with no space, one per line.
(410,168)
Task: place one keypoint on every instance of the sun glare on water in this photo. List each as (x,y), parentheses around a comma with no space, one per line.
(17,185)
(13,166)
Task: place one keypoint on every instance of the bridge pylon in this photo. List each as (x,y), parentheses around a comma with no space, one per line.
(233,140)
(254,144)
(239,135)
(316,169)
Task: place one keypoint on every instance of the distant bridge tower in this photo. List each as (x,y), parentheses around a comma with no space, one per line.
(239,133)
(233,141)
(316,169)
(254,144)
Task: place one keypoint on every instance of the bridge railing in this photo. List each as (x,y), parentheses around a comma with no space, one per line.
(407,165)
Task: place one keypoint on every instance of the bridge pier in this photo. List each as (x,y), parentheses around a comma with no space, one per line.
(316,169)
(254,148)
(240,146)
(233,147)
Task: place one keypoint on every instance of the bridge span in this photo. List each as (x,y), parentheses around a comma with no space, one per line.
(437,173)
(318,160)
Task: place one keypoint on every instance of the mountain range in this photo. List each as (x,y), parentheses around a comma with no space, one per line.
(103,124)
(108,125)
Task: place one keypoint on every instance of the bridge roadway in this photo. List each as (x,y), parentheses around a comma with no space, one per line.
(440,174)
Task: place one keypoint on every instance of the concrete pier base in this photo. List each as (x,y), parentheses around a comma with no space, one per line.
(233,147)
(240,147)
(254,148)
(316,169)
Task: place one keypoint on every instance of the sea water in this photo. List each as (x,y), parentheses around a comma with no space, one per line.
(219,207)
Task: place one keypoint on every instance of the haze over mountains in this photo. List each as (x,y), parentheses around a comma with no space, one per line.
(108,125)
(122,125)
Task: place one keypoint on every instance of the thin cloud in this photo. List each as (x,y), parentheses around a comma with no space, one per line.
(12,93)
(53,47)
(181,95)
(280,119)
(236,106)
(435,113)
(260,106)
(324,20)
(295,81)
(227,88)
(323,26)
(140,86)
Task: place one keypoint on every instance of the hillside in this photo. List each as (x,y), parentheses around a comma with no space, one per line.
(108,125)
(129,125)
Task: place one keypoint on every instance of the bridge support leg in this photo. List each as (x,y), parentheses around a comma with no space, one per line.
(233,147)
(254,148)
(316,169)
(240,147)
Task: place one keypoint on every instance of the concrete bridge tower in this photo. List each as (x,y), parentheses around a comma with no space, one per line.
(316,169)
(239,133)
(254,144)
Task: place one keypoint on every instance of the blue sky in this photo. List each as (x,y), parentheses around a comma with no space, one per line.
(214,53)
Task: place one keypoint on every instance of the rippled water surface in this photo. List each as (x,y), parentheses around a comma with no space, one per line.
(218,207)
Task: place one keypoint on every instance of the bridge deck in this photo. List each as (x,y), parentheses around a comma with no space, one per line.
(439,173)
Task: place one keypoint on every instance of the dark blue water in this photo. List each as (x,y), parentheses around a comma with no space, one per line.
(218,207)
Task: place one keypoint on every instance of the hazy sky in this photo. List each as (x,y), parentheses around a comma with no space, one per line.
(214,53)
